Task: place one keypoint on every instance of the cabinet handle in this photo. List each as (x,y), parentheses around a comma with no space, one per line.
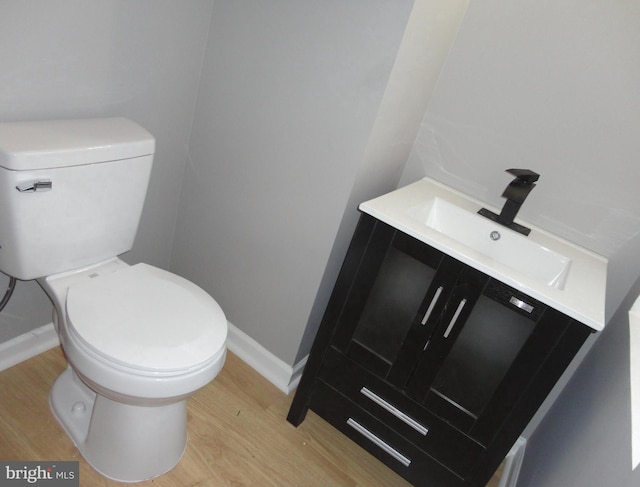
(432,305)
(394,410)
(378,442)
(518,303)
(455,318)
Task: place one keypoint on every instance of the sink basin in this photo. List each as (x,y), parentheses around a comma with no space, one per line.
(494,241)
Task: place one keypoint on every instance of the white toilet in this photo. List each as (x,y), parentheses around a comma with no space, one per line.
(139,340)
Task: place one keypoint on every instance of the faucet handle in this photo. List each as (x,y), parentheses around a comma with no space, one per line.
(524,176)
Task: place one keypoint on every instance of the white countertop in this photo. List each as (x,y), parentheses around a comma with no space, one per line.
(582,295)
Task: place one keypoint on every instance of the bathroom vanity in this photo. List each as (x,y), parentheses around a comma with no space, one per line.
(445,332)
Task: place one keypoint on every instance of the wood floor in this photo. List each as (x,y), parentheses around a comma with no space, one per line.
(238,435)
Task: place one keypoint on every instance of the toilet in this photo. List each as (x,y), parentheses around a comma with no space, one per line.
(138,340)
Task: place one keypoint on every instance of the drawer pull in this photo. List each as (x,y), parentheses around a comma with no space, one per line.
(432,305)
(394,410)
(378,442)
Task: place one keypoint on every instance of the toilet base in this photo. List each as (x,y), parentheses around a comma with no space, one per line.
(124,442)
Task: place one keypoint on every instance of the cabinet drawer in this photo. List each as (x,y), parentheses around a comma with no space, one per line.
(379,440)
(406,417)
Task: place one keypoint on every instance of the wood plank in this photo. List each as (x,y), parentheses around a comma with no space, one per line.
(238,435)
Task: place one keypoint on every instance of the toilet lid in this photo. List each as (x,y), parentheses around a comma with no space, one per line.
(145,318)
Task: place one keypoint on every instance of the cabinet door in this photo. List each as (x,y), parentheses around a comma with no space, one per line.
(394,285)
(487,344)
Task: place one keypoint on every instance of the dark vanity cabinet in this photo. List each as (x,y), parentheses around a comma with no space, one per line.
(432,366)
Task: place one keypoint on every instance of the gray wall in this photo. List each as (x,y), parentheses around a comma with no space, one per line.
(297,115)
(550,86)
(553,86)
(289,95)
(584,440)
(73,58)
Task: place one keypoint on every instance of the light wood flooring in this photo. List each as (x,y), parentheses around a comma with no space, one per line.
(238,435)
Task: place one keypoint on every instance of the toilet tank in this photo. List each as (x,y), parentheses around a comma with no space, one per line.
(71,192)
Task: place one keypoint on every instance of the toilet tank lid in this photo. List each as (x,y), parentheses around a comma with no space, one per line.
(62,143)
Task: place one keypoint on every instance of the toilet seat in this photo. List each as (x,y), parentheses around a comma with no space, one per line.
(146,319)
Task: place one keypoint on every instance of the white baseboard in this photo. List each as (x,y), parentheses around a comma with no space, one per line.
(512,464)
(281,375)
(28,345)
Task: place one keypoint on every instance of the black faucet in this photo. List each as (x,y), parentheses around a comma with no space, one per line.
(515,193)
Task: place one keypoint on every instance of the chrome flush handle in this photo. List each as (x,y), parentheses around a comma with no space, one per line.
(33,186)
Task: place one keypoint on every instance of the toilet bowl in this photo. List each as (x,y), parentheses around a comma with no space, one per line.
(139,340)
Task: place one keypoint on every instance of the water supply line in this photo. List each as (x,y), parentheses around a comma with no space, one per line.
(8,292)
